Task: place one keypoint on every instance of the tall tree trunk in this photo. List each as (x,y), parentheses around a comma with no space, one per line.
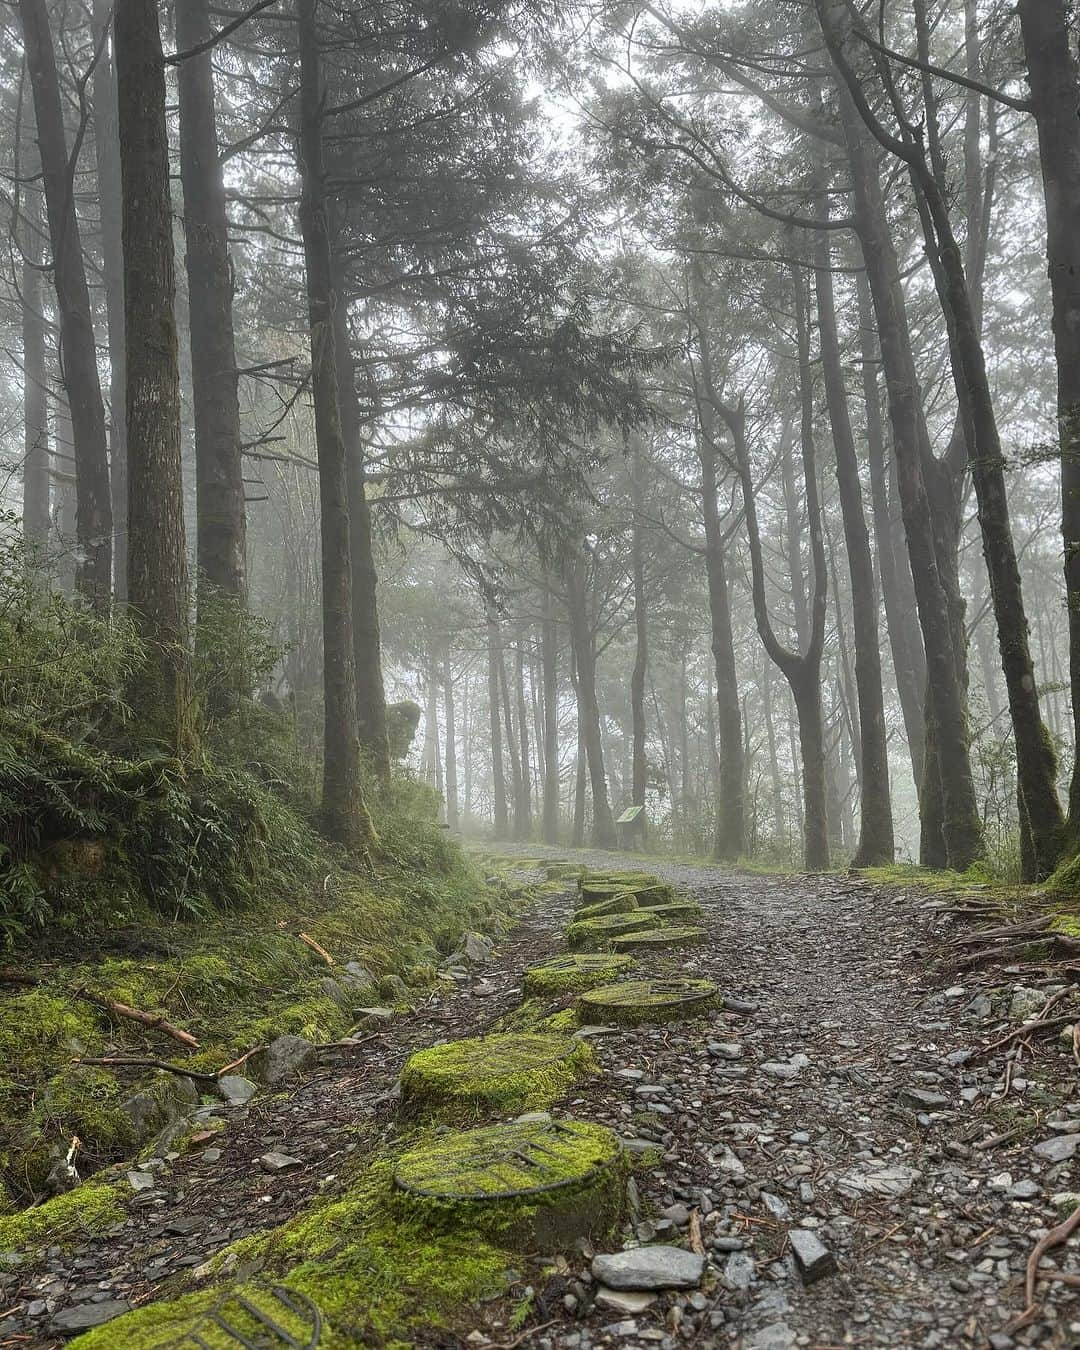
(905,640)
(639,765)
(779,820)
(344,814)
(1054,77)
(157,558)
(451,743)
(78,352)
(950,771)
(367,641)
(36,517)
(604,834)
(107,151)
(525,805)
(512,749)
(550,658)
(219,474)
(498,774)
(875,804)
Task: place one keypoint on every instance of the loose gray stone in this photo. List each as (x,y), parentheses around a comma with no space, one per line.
(1059,1149)
(777,1207)
(1024,1190)
(141,1181)
(739,1270)
(922,1100)
(624,1300)
(779,1336)
(813,1257)
(649,1268)
(285,1056)
(279,1162)
(85,1315)
(235,1089)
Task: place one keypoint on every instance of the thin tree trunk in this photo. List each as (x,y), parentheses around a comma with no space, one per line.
(550,658)
(107,151)
(639,766)
(779,822)
(157,557)
(344,814)
(219,474)
(875,804)
(498,775)
(451,769)
(36,516)
(79,354)
(520,831)
(603,828)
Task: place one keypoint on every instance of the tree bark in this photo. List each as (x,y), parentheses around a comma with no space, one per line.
(498,774)
(367,641)
(875,844)
(1054,77)
(639,765)
(343,811)
(107,151)
(157,558)
(550,658)
(452,820)
(604,834)
(219,475)
(525,804)
(36,489)
(78,352)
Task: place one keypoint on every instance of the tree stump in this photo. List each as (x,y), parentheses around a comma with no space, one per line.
(623,903)
(527,1184)
(466,1081)
(634,1002)
(659,939)
(592,934)
(574,972)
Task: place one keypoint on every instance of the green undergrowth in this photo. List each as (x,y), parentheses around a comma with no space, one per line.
(64,1220)
(379,1265)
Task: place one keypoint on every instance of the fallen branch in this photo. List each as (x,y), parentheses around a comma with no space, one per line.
(349,1044)
(696,1243)
(153,1021)
(1008,930)
(1040,1024)
(309,941)
(236,1063)
(131,1062)
(1056,1237)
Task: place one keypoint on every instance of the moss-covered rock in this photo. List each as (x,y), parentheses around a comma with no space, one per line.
(678,912)
(574,972)
(536,1184)
(636,1002)
(557,870)
(647,891)
(623,903)
(591,934)
(660,939)
(470,1080)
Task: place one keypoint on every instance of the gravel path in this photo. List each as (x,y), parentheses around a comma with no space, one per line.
(832,1097)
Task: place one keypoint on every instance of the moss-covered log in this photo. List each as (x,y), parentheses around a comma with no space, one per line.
(623,903)
(471,1080)
(574,972)
(636,1002)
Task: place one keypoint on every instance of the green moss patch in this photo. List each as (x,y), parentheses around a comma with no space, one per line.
(623,903)
(660,939)
(635,1002)
(466,1081)
(648,891)
(680,912)
(574,972)
(64,1220)
(536,1183)
(594,933)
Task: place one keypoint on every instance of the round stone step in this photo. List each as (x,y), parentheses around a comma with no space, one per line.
(574,972)
(591,934)
(659,939)
(647,893)
(679,911)
(530,1183)
(468,1080)
(633,1002)
(623,903)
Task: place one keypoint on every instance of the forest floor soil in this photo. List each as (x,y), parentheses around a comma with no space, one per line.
(846,1090)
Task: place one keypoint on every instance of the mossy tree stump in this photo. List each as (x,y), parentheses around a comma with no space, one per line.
(648,893)
(531,1184)
(680,912)
(659,939)
(466,1081)
(592,934)
(623,903)
(574,972)
(632,1003)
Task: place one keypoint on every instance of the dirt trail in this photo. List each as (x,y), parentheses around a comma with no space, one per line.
(831,1095)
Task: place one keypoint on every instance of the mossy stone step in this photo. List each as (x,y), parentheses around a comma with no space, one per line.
(596,933)
(659,939)
(573,972)
(618,879)
(623,903)
(647,893)
(559,868)
(529,1183)
(633,1002)
(466,1081)
(679,911)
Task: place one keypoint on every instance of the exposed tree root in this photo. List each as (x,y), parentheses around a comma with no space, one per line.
(1056,1237)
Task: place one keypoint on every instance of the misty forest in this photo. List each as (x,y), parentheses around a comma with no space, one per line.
(540,674)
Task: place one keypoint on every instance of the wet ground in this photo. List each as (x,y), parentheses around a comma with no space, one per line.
(845,1091)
